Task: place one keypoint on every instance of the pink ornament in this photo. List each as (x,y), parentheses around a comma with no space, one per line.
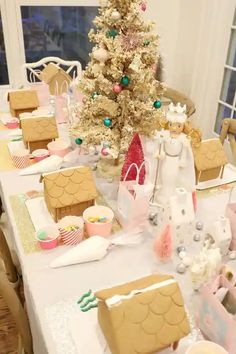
(104,152)
(163,245)
(117,88)
(143,6)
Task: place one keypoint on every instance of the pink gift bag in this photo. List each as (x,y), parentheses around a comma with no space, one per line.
(42,90)
(216,319)
(230,213)
(133,201)
(61,104)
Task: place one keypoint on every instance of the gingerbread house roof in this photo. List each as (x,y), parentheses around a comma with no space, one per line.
(23,99)
(39,128)
(69,187)
(210,154)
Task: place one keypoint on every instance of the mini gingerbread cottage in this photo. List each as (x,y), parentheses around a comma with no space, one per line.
(69,191)
(22,101)
(210,160)
(38,131)
(57,79)
(143,316)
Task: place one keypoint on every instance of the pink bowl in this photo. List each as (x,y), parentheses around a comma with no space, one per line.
(71,237)
(205,347)
(21,158)
(13,123)
(59,148)
(100,229)
(53,233)
(40,154)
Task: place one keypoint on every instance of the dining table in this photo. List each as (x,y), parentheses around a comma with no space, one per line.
(57,324)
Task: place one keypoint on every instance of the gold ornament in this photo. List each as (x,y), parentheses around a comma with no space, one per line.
(101,55)
(115,15)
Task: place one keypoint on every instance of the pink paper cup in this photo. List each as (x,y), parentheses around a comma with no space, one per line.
(21,158)
(13,123)
(59,148)
(52,240)
(101,229)
(40,154)
(205,347)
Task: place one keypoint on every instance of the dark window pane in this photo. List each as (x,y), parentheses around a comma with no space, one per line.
(60,31)
(229,84)
(231,59)
(223,112)
(235,19)
(4,80)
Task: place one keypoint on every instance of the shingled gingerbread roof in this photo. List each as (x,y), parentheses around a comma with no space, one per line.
(39,128)
(69,187)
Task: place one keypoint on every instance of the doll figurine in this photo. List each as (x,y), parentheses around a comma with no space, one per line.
(176,163)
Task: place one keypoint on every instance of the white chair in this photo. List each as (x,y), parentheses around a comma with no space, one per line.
(34,68)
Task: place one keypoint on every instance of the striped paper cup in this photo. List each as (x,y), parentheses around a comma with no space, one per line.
(21,158)
(71,230)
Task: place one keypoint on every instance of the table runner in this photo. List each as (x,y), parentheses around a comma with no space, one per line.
(26,228)
(6,163)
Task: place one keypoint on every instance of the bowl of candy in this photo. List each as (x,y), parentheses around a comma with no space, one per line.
(40,154)
(48,237)
(98,220)
(71,230)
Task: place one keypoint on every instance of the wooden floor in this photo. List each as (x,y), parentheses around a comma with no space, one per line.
(8,332)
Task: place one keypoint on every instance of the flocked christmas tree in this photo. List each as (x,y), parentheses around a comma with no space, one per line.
(122,95)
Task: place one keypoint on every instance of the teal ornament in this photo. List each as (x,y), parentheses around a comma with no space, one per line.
(157,104)
(94,95)
(106,144)
(112,33)
(107,122)
(78,141)
(42,235)
(125,81)
(146,43)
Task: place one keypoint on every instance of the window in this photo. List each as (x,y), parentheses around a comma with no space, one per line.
(60,31)
(227,101)
(4,80)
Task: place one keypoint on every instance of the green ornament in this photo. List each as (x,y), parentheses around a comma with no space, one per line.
(157,104)
(94,95)
(125,81)
(107,122)
(112,33)
(146,43)
(78,141)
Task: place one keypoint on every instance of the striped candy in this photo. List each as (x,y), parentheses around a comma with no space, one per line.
(71,237)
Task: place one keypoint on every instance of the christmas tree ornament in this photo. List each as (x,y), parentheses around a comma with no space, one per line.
(157,104)
(117,88)
(101,55)
(94,95)
(130,40)
(146,43)
(78,141)
(107,122)
(125,81)
(232,255)
(106,144)
(143,6)
(112,33)
(181,268)
(115,15)
(163,245)
(134,155)
(104,152)
(197,237)
(199,225)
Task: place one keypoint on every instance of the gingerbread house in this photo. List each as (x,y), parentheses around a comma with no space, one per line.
(56,78)
(38,131)
(22,101)
(69,191)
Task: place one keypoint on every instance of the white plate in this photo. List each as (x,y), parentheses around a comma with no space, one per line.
(39,213)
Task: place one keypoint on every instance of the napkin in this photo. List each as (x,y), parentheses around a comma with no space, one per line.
(95,248)
(52,163)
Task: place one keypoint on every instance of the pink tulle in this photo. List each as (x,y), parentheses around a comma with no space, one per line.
(134,155)
(163,245)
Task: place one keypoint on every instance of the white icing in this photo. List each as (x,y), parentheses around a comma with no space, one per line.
(116,299)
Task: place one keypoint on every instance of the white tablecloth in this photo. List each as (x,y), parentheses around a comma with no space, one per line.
(45,286)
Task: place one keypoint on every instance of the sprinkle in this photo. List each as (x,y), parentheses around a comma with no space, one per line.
(84,296)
